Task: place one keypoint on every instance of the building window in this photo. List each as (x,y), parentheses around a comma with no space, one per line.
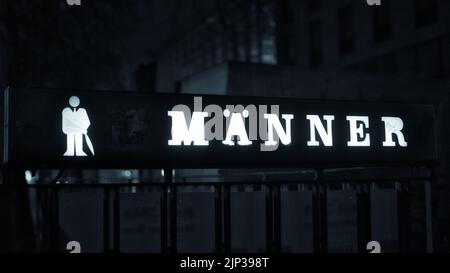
(382,22)
(269,50)
(219,40)
(426,12)
(242,45)
(254,48)
(346,30)
(315,43)
(146,77)
(429,60)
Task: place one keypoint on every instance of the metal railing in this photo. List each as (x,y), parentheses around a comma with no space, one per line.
(223,191)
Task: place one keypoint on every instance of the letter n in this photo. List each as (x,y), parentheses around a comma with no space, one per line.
(325,135)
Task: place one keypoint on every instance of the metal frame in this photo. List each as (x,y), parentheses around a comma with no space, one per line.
(222,209)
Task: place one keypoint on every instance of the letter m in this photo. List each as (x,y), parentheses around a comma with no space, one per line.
(184,134)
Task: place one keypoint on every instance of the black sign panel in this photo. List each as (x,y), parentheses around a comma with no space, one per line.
(132,130)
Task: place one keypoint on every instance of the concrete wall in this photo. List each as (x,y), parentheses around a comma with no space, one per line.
(211,81)
(291,81)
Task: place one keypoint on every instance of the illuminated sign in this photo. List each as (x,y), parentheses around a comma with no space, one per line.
(75,122)
(135,130)
(198,134)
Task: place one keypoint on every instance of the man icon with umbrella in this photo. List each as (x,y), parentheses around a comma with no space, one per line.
(75,123)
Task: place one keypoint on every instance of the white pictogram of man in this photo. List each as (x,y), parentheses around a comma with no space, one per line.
(75,123)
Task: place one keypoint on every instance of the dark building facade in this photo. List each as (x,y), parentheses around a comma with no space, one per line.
(323,50)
